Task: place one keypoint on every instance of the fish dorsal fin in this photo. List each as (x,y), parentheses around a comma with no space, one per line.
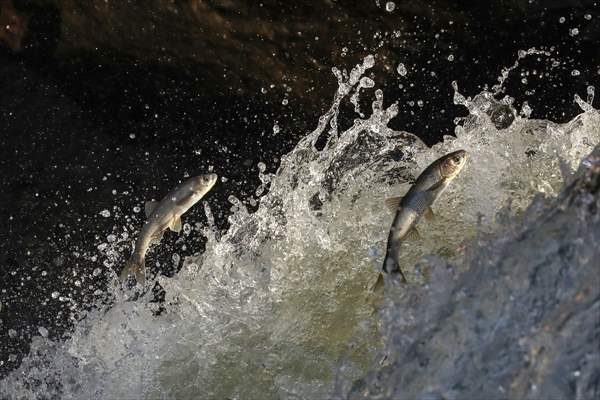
(428,214)
(413,234)
(175,225)
(149,207)
(393,203)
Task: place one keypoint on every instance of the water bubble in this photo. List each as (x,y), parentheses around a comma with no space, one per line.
(526,110)
(55,295)
(111,238)
(284,102)
(96,272)
(587,16)
(574,32)
(420,103)
(276,129)
(105,213)
(12,333)
(132,136)
(590,94)
(561,20)
(401,69)
(575,72)
(451,57)
(390,6)
(136,209)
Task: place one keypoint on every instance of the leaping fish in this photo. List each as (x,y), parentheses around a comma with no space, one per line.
(417,203)
(162,215)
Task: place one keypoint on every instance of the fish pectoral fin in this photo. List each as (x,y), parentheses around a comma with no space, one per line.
(428,214)
(393,203)
(149,207)
(413,234)
(437,185)
(175,225)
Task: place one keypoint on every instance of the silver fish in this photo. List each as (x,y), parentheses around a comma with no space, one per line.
(162,215)
(416,203)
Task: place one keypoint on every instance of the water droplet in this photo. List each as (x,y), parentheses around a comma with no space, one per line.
(390,6)
(526,110)
(401,69)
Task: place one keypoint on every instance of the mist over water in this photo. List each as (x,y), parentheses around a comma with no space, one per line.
(280,307)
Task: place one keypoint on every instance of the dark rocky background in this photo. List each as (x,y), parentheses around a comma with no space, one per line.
(105,104)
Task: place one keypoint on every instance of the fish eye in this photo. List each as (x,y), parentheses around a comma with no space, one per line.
(456,160)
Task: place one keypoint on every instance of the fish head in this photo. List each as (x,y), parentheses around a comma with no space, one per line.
(201,184)
(452,163)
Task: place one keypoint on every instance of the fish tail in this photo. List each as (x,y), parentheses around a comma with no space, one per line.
(378,286)
(391,266)
(136,267)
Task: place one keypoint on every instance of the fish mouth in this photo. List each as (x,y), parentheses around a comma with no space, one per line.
(213,178)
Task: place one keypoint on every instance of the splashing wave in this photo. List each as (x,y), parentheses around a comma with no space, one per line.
(280,306)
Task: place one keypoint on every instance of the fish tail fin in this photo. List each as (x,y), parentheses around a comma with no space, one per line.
(391,266)
(378,286)
(135,267)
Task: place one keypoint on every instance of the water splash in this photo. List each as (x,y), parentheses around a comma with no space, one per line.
(278,304)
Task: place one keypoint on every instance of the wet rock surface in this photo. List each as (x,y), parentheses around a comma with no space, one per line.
(519,319)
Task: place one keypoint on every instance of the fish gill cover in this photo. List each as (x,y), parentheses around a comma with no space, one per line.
(280,307)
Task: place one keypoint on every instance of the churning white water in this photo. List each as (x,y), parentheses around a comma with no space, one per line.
(278,305)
